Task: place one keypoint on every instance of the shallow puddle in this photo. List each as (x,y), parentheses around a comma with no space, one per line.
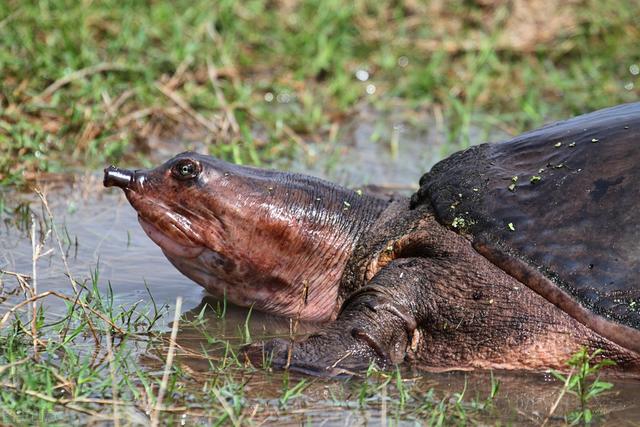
(99,232)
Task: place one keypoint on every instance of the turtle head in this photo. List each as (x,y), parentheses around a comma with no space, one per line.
(274,239)
(178,203)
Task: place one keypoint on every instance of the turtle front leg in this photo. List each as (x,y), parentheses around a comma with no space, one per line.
(376,324)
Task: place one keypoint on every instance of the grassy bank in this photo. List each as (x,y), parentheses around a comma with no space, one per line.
(86,82)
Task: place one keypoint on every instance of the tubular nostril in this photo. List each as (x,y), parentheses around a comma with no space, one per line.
(115,177)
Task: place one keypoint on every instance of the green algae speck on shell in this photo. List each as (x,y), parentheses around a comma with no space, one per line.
(558,144)
(459,223)
(535,179)
(511,227)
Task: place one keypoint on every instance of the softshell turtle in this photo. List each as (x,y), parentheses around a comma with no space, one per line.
(511,255)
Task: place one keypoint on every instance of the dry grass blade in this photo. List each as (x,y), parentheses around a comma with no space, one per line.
(167,368)
(19,276)
(45,203)
(180,102)
(136,115)
(63,402)
(213,78)
(565,387)
(35,254)
(22,304)
(112,373)
(176,79)
(3,368)
(67,401)
(23,280)
(81,74)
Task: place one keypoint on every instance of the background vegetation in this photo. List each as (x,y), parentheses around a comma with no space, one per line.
(88,82)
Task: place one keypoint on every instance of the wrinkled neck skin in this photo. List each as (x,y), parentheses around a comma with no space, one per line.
(274,240)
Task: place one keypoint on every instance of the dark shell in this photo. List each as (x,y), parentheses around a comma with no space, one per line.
(574,209)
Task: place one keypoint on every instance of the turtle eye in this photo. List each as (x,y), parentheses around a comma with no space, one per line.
(185,169)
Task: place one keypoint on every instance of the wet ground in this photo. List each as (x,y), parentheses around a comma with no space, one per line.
(98,228)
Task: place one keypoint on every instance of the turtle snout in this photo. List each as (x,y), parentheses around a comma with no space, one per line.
(123,178)
(116,177)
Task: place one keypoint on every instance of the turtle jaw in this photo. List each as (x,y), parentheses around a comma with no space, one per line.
(175,244)
(172,232)
(175,234)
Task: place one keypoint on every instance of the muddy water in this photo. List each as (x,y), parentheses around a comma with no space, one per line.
(100,230)
(391,153)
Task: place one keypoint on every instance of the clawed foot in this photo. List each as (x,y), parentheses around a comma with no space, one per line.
(358,339)
(314,356)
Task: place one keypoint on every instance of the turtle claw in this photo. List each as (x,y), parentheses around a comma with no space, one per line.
(315,355)
(410,324)
(380,303)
